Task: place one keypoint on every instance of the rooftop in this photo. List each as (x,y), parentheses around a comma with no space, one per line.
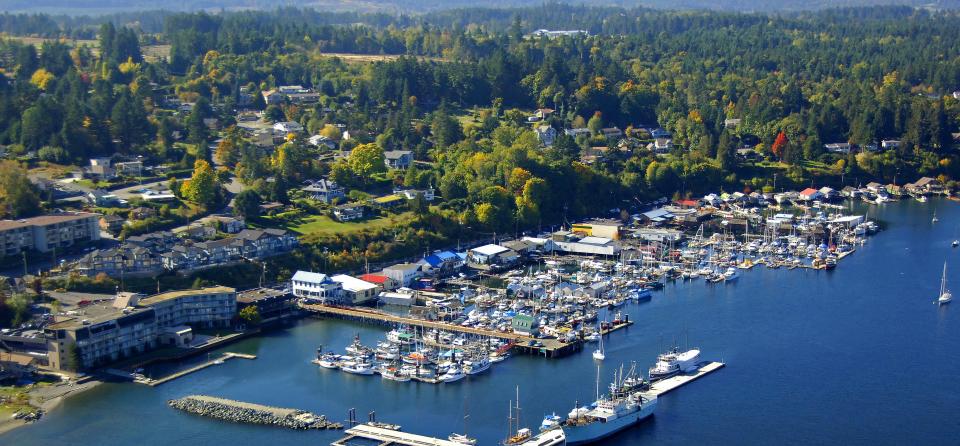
(44,220)
(351,283)
(490,250)
(308,276)
(163,297)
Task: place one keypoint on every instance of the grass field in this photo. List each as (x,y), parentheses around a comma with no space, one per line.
(150,52)
(324,225)
(366,58)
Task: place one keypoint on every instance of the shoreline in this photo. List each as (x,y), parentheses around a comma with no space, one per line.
(48,399)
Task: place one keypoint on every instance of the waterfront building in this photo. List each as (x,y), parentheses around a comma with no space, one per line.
(315,287)
(402,273)
(272,304)
(355,291)
(205,308)
(492,255)
(599,228)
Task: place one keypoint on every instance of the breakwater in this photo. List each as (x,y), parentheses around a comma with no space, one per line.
(249,413)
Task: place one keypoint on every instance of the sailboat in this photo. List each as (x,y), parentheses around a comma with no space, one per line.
(945,295)
(935,219)
(463,438)
(598,354)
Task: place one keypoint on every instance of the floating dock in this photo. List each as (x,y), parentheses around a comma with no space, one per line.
(389,437)
(226,356)
(550,348)
(672,383)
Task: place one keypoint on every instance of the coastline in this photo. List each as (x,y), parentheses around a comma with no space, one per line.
(47,399)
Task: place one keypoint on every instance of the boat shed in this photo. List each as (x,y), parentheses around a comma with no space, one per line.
(525,325)
(656,216)
(491,254)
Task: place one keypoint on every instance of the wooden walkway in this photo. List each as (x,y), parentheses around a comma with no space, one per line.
(226,356)
(551,348)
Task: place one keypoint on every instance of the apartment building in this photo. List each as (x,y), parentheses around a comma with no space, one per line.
(48,232)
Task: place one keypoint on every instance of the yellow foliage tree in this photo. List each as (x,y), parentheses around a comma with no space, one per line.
(41,78)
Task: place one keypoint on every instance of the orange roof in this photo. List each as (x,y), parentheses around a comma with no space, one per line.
(809,191)
(374,278)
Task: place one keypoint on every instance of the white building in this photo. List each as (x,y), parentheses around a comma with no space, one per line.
(355,291)
(287,127)
(402,273)
(316,287)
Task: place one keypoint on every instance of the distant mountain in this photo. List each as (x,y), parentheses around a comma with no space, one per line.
(75,7)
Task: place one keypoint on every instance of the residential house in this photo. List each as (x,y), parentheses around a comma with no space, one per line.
(195,231)
(111,223)
(829,193)
(101,168)
(442,263)
(660,133)
(731,123)
(287,127)
(875,187)
(271,207)
(324,190)
(611,133)
(272,97)
(428,194)
(348,212)
(142,213)
(747,153)
(544,113)
(130,260)
(661,146)
(398,159)
(890,144)
(224,223)
(129,168)
(101,198)
(260,243)
(322,141)
(160,241)
(839,147)
(577,132)
(546,135)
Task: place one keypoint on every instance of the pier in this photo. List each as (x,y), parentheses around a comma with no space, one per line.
(386,437)
(548,347)
(226,356)
(674,382)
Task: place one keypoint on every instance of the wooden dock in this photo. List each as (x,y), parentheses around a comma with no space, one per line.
(387,437)
(551,348)
(672,383)
(226,356)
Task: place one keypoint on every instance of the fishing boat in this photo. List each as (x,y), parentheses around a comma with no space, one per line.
(945,295)
(609,414)
(477,366)
(329,361)
(393,374)
(454,374)
(674,362)
(357,367)
(731,274)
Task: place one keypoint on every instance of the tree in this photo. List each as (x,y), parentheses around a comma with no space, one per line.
(251,315)
(42,78)
(18,196)
(247,204)
(595,124)
(128,120)
(71,358)
(197,130)
(366,160)
(779,145)
(725,152)
(202,187)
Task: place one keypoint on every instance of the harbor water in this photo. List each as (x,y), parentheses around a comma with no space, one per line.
(858,355)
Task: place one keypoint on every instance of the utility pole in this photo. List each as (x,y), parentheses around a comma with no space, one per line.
(25,273)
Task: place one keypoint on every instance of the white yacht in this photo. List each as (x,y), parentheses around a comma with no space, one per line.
(453,374)
(477,366)
(673,362)
(731,274)
(357,367)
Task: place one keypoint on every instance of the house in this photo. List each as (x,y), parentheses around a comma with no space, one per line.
(355,291)
(316,287)
(155,196)
(287,127)
(320,140)
(159,241)
(260,243)
(747,153)
(661,146)
(224,223)
(829,193)
(890,144)
(850,192)
(272,97)
(546,135)
(544,113)
(123,260)
(101,198)
(410,194)
(928,185)
(525,325)
(195,231)
(111,223)
(348,212)
(577,132)
(324,190)
(839,147)
(402,273)
(612,133)
(398,159)
(142,213)
(895,190)
(17,365)
(387,202)
(810,194)
(380,280)
(101,168)
(660,133)
(731,123)
(442,263)
(875,187)
(129,168)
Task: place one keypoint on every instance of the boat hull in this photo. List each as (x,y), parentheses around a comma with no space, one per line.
(596,431)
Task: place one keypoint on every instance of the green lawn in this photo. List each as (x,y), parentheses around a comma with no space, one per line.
(322,224)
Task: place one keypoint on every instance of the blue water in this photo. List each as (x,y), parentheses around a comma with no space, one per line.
(859,355)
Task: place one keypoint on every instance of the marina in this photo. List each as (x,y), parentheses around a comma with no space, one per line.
(767,324)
